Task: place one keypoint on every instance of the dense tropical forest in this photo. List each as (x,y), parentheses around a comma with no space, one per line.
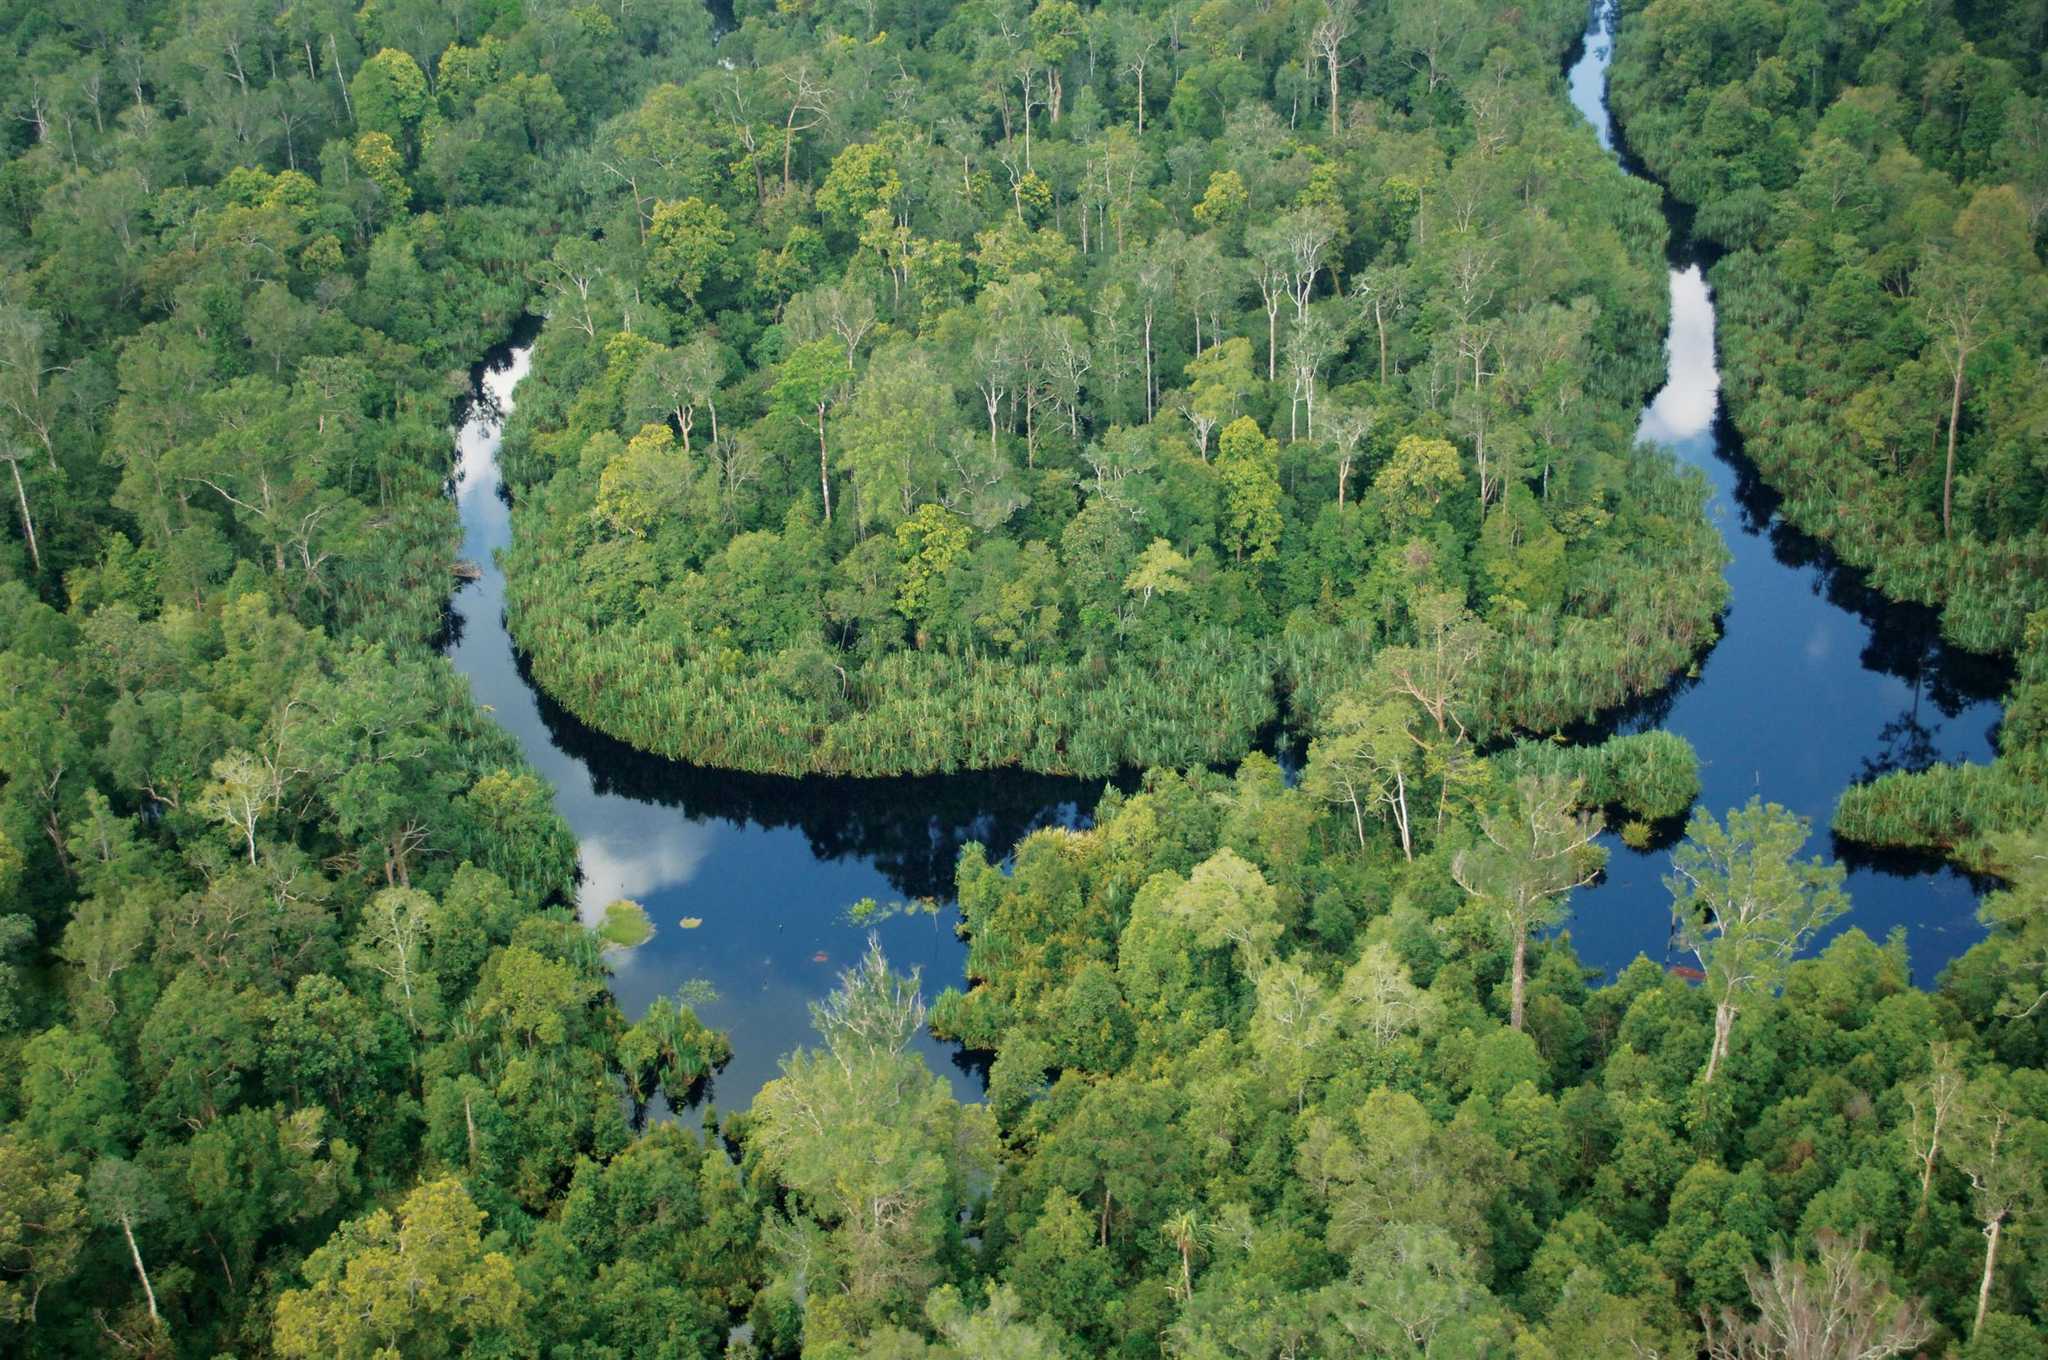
(1080,391)
(925,387)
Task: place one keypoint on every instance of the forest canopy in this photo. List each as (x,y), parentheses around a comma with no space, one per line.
(1050,389)
(929,386)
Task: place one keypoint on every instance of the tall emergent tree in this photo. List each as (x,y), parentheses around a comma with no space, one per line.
(1537,848)
(1745,905)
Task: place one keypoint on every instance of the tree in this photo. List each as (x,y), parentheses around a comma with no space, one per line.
(1327,41)
(1537,848)
(1223,203)
(1412,1289)
(125,1196)
(390,96)
(895,433)
(863,178)
(42,1227)
(642,484)
(2004,1152)
(811,382)
(1956,297)
(1382,1000)
(1361,758)
(686,246)
(1414,480)
(391,943)
(1315,341)
(675,382)
(243,789)
(1247,463)
(1439,670)
(76,1095)
(1434,34)
(1055,29)
(28,403)
(1836,1308)
(1744,906)
(930,543)
(1295,1017)
(810,101)
(418,1283)
(1227,901)
(1159,571)
(1270,265)
(1347,427)
(572,274)
(1934,1101)
(2017,916)
(13,454)
(1218,383)
(1383,290)
(869,1142)
(1137,38)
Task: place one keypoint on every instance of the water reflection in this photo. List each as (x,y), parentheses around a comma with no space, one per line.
(768,866)
(1818,680)
(1684,407)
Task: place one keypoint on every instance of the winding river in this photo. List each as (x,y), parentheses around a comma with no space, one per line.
(1816,683)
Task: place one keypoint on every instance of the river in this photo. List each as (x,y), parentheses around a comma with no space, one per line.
(1817,682)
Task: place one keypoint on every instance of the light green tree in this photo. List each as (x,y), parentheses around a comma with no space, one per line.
(1537,847)
(1415,479)
(2017,916)
(1247,463)
(416,1283)
(42,1227)
(930,543)
(123,1195)
(389,92)
(1227,901)
(1160,571)
(2003,1149)
(391,945)
(1365,757)
(872,1147)
(241,792)
(642,484)
(1745,905)
(1219,379)
(686,246)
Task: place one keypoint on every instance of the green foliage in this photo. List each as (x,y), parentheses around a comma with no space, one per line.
(419,1282)
(953,449)
(1062,360)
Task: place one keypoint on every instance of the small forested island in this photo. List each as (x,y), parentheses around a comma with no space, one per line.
(1163,488)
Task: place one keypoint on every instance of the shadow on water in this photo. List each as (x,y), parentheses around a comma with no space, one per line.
(911,829)
(1818,680)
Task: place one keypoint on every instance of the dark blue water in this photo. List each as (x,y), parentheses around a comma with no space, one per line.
(770,866)
(1817,682)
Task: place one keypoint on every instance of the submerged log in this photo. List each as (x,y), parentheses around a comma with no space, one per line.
(468,571)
